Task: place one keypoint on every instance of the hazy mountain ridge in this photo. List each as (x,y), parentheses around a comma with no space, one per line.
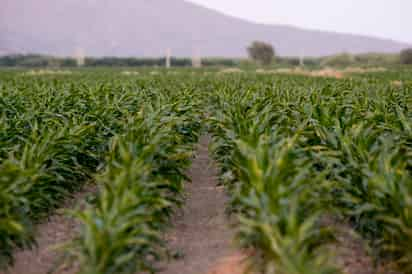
(149,27)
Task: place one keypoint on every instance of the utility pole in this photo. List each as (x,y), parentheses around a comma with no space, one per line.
(196,60)
(302,58)
(168,56)
(79,56)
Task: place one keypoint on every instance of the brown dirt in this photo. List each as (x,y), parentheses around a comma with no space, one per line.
(352,254)
(202,233)
(235,264)
(58,229)
(325,72)
(397,83)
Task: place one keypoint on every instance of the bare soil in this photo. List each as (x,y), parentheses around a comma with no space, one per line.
(351,252)
(56,230)
(201,233)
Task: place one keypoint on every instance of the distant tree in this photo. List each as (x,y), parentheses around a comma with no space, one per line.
(406,56)
(261,52)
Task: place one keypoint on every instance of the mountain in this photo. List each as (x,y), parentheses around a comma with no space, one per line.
(149,27)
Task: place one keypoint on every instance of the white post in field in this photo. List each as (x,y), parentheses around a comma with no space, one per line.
(302,58)
(196,60)
(168,56)
(79,56)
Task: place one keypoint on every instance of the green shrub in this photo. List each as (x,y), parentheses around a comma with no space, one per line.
(406,56)
(339,60)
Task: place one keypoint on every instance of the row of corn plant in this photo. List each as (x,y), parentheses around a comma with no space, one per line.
(273,184)
(55,133)
(45,156)
(356,133)
(54,139)
(371,151)
(138,190)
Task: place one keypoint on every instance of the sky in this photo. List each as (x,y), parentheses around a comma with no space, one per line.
(382,18)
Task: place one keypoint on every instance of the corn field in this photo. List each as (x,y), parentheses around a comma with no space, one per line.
(291,151)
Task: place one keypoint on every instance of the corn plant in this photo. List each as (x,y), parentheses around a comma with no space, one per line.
(142,183)
(269,177)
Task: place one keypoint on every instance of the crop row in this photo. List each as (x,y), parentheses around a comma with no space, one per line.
(297,150)
(141,185)
(59,133)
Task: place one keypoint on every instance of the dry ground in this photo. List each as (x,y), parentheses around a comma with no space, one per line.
(56,230)
(201,233)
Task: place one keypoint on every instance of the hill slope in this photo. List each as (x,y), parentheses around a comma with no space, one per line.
(149,27)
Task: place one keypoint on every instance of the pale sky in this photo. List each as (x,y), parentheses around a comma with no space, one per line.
(382,18)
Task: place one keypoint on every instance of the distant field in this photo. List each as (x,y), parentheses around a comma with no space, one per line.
(301,155)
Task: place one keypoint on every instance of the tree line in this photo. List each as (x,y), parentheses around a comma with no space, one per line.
(260,54)
(264,54)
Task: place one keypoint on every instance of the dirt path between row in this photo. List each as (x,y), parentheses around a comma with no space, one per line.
(57,229)
(201,232)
